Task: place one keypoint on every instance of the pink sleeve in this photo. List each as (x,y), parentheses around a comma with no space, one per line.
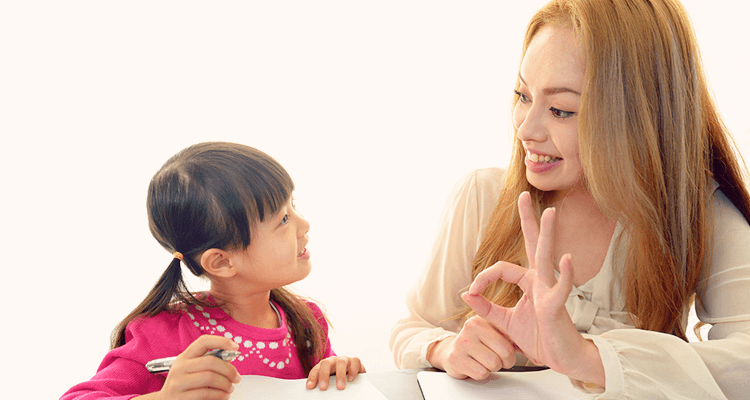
(122,374)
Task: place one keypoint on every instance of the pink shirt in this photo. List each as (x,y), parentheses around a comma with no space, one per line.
(123,375)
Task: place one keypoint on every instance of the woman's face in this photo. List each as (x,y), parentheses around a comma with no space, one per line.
(546,114)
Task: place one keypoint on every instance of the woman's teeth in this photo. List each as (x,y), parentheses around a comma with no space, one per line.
(543,159)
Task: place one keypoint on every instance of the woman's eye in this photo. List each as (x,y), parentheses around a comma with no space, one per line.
(285,219)
(557,113)
(521,97)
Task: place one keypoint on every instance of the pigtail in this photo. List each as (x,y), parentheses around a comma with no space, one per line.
(307,331)
(170,287)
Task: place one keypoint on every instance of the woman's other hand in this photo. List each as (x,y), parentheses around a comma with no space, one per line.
(477,350)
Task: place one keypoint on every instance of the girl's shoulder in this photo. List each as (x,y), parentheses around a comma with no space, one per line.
(178,317)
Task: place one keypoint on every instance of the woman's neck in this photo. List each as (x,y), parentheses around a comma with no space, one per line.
(252,309)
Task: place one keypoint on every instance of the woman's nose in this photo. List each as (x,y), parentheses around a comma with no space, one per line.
(529,126)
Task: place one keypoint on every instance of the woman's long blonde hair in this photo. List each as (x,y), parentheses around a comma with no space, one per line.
(651,143)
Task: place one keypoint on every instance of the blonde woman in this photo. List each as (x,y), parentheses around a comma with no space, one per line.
(624,201)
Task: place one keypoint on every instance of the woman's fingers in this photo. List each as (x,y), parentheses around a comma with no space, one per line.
(545,248)
(498,316)
(500,270)
(478,349)
(529,225)
(539,238)
(565,284)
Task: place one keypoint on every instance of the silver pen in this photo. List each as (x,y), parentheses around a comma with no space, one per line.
(164,364)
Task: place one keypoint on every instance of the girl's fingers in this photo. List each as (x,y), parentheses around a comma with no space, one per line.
(500,270)
(545,248)
(210,380)
(213,364)
(206,343)
(312,378)
(319,375)
(529,226)
(342,365)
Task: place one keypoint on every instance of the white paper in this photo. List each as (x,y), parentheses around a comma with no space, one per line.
(254,387)
(546,384)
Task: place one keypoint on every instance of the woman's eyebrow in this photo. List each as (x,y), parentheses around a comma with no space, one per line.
(552,90)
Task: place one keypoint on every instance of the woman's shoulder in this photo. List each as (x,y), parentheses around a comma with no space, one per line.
(490,180)
(480,187)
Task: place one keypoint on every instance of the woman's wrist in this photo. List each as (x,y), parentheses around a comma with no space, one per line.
(435,351)
(590,368)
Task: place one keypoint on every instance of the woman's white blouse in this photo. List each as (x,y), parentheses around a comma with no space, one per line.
(638,364)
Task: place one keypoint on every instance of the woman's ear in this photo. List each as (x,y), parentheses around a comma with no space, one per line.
(216,263)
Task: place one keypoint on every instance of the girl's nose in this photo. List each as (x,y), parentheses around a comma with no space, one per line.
(303,226)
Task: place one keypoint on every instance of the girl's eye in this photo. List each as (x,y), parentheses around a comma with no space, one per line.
(521,97)
(557,113)
(285,219)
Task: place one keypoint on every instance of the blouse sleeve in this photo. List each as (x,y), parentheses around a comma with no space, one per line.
(642,364)
(434,299)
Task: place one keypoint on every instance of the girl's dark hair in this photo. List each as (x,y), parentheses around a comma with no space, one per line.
(210,195)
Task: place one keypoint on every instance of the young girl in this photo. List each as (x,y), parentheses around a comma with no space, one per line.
(224,210)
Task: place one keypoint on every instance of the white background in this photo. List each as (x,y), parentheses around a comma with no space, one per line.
(375,108)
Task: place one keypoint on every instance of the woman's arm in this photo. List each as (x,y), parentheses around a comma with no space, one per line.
(642,362)
(434,299)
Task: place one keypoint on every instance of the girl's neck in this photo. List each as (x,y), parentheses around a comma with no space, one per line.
(252,309)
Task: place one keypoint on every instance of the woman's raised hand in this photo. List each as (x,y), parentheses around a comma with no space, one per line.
(477,350)
(194,376)
(539,324)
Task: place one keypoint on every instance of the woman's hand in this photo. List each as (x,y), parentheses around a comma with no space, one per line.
(477,350)
(343,367)
(194,376)
(539,324)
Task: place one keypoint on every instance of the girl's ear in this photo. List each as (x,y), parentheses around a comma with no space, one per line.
(216,263)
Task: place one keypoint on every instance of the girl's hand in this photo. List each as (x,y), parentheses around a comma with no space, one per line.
(478,350)
(194,376)
(539,324)
(343,367)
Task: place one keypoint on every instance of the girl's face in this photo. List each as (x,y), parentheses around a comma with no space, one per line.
(546,113)
(277,255)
